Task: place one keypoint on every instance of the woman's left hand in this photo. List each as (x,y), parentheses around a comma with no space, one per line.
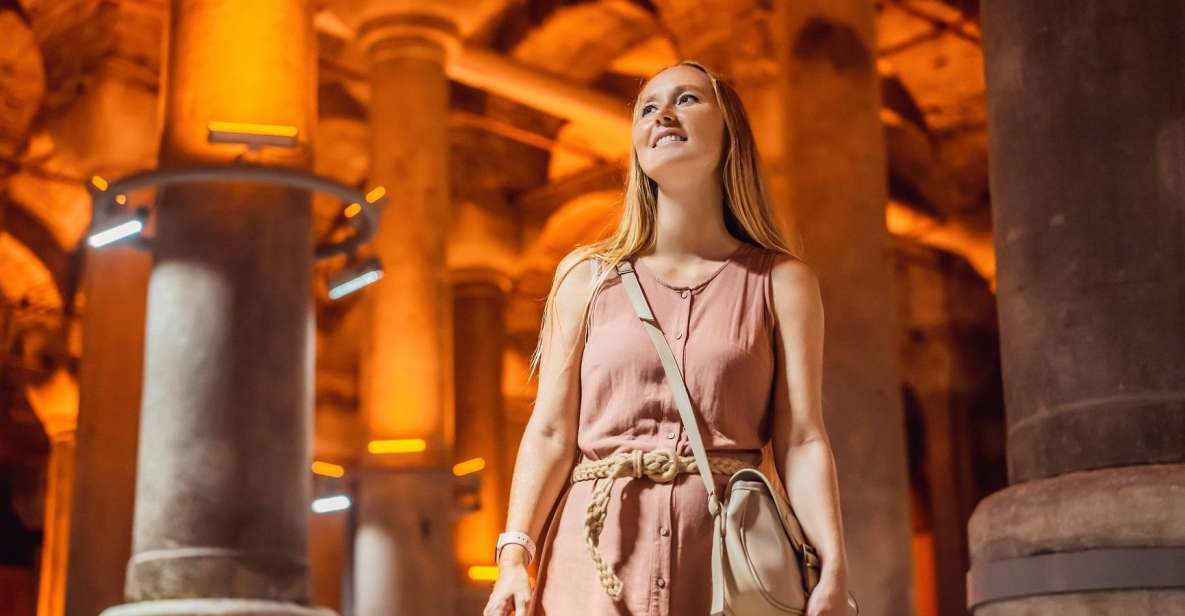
(828,598)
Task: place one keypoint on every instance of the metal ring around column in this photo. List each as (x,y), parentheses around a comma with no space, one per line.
(1136,568)
(102,199)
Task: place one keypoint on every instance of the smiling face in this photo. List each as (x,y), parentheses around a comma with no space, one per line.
(678,129)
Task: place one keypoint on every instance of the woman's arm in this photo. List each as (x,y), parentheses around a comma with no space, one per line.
(801,446)
(548,445)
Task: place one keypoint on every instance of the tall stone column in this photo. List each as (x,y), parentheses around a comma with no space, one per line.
(479,304)
(1086,106)
(808,77)
(404,543)
(834,166)
(223,487)
(115,287)
(56,404)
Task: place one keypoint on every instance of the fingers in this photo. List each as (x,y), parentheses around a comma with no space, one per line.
(520,604)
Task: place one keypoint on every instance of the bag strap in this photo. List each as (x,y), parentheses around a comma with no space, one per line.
(674,377)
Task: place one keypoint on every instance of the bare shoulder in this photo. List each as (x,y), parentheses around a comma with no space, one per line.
(574,280)
(794,286)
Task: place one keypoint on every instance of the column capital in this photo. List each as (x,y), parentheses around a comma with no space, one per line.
(409,35)
(466,278)
(55,402)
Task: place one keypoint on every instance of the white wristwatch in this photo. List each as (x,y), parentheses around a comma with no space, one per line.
(513,536)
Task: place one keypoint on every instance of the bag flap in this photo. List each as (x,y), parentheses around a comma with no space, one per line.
(785,511)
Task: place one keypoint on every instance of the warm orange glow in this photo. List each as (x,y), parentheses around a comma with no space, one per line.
(99,182)
(375,194)
(353,210)
(327,469)
(483,573)
(249,128)
(468,466)
(121,199)
(397,445)
(242,73)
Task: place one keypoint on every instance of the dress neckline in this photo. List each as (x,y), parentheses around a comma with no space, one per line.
(732,257)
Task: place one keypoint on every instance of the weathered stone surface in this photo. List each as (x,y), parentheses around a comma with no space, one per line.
(1115,507)
(1091,297)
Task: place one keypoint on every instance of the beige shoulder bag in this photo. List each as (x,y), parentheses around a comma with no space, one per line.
(761,562)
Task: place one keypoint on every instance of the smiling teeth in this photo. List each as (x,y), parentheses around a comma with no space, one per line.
(669,139)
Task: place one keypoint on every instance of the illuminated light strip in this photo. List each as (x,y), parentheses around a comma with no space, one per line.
(115,233)
(354,284)
(250,128)
(99,182)
(327,469)
(468,466)
(398,445)
(330,504)
(375,194)
(483,573)
(353,210)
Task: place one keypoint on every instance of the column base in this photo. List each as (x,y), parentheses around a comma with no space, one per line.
(1081,544)
(215,607)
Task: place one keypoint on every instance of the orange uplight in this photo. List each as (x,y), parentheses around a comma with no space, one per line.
(327,469)
(398,445)
(99,182)
(483,573)
(353,210)
(468,466)
(375,194)
(251,128)
(121,199)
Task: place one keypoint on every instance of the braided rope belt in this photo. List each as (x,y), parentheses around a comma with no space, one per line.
(661,465)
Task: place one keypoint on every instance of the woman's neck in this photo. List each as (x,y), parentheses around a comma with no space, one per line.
(690,222)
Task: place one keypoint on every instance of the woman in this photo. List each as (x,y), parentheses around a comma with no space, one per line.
(743,316)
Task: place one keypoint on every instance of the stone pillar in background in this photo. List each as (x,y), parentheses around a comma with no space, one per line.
(405,537)
(808,77)
(223,486)
(480,329)
(115,285)
(1086,108)
(56,404)
(835,165)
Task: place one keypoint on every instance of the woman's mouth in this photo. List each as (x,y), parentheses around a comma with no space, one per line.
(669,139)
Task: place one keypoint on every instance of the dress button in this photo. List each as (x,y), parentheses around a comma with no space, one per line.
(664,531)
(678,335)
(661,583)
(684,294)
(670,435)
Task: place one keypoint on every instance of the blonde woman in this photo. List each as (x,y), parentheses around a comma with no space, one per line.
(744,318)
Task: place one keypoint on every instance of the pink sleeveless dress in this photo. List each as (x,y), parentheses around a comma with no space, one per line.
(656,535)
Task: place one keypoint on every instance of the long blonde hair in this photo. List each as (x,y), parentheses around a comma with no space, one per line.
(747,213)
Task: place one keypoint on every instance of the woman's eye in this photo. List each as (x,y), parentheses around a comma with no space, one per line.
(684,97)
(646,109)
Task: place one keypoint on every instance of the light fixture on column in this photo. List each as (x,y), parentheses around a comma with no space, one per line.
(397,445)
(354,277)
(329,504)
(361,215)
(115,222)
(251,134)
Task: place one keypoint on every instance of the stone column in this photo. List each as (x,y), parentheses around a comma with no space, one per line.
(115,285)
(834,166)
(1086,106)
(808,77)
(56,404)
(405,538)
(223,488)
(480,304)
